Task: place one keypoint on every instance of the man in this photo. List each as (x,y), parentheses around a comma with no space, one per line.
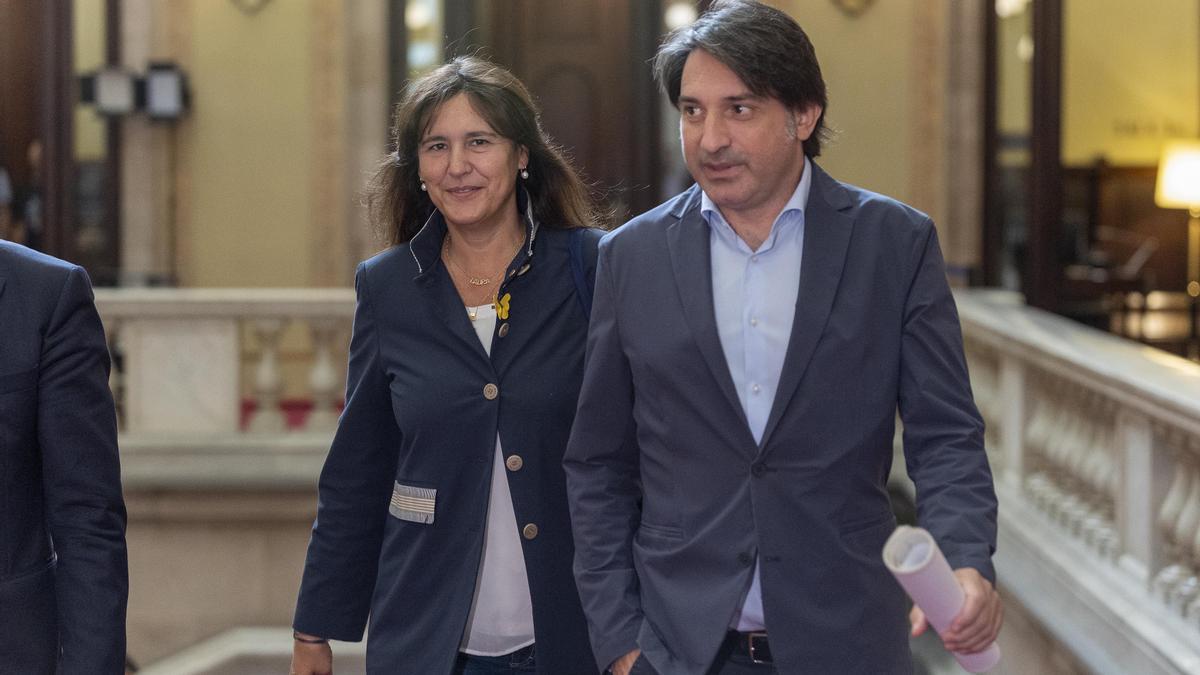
(751,341)
(63,570)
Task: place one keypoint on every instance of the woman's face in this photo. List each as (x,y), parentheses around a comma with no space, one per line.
(470,170)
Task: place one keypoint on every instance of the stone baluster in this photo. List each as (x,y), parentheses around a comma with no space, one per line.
(1061,428)
(323,378)
(1059,448)
(1056,426)
(988,398)
(1193,607)
(1092,465)
(1035,431)
(112,333)
(1168,516)
(1184,533)
(1076,448)
(1090,516)
(1101,467)
(268,379)
(1101,528)
(975,368)
(1038,484)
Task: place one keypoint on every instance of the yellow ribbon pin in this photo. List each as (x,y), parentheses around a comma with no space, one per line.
(502,306)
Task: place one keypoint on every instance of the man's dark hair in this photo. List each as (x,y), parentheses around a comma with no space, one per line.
(762,45)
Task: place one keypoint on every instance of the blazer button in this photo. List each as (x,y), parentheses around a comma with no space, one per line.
(758,469)
(514,462)
(530,531)
(745,559)
(503,329)
(490,391)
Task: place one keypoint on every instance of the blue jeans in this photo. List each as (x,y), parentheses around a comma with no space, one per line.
(520,661)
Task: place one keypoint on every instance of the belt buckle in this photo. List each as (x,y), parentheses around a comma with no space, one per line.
(751,641)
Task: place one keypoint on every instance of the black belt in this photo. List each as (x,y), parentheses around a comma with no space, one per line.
(754,645)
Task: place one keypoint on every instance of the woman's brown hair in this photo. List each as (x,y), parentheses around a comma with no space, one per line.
(398,207)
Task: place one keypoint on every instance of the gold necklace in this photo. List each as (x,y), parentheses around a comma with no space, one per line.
(474,281)
(473,310)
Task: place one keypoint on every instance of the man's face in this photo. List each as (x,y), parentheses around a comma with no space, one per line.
(744,150)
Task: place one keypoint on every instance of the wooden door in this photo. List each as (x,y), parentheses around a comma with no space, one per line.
(20,64)
(587,64)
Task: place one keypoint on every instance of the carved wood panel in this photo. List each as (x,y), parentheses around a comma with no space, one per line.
(586,63)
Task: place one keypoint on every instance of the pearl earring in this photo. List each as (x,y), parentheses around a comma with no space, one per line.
(424,188)
(525,174)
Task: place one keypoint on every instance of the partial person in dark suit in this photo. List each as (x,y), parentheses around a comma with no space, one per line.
(63,568)
(442,507)
(751,342)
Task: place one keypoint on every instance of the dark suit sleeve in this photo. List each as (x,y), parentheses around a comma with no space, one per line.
(601,463)
(77,434)
(355,485)
(943,431)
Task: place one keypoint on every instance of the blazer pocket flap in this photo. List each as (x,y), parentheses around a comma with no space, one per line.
(10,382)
(412,503)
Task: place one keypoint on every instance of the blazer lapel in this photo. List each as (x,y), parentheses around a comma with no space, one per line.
(444,303)
(691,260)
(441,298)
(827,230)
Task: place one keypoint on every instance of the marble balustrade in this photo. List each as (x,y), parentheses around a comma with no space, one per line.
(187,358)
(1094,441)
(1095,445)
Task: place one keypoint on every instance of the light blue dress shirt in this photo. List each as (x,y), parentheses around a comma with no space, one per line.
(754,300)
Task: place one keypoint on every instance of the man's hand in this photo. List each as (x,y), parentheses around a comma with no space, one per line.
(623,665)
(979,621)
(311,659)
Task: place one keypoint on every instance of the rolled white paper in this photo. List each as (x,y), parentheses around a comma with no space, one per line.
(918,564)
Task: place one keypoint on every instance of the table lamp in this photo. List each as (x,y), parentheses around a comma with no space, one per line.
(1178,187)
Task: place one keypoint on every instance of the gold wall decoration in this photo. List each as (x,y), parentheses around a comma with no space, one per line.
(853,8)
(250,7)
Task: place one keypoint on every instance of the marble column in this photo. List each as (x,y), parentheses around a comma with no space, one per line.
(146,161)
(368,116)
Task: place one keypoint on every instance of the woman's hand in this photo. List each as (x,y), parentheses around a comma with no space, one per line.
(309,658)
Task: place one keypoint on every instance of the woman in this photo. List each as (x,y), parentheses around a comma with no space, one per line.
(442,507)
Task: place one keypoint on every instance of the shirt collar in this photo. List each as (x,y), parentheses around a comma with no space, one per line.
(426,244)
(797,202)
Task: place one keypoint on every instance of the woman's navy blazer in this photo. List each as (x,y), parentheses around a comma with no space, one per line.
(404,492)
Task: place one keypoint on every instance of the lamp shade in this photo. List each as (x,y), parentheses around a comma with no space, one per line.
(1178,184)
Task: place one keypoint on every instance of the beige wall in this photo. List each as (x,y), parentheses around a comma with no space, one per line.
(1131,78)
(257,185)
(259,202)
(248,142)
(905,82)
(88,45)
(259,193)
(866,64)
(203,562)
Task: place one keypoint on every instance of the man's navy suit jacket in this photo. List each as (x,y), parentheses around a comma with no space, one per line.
(672,499)
(63,570)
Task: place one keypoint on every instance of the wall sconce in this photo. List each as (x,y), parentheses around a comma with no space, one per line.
(162,93)
(853,8)
(111,90)
(1178,187)
(166,94)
